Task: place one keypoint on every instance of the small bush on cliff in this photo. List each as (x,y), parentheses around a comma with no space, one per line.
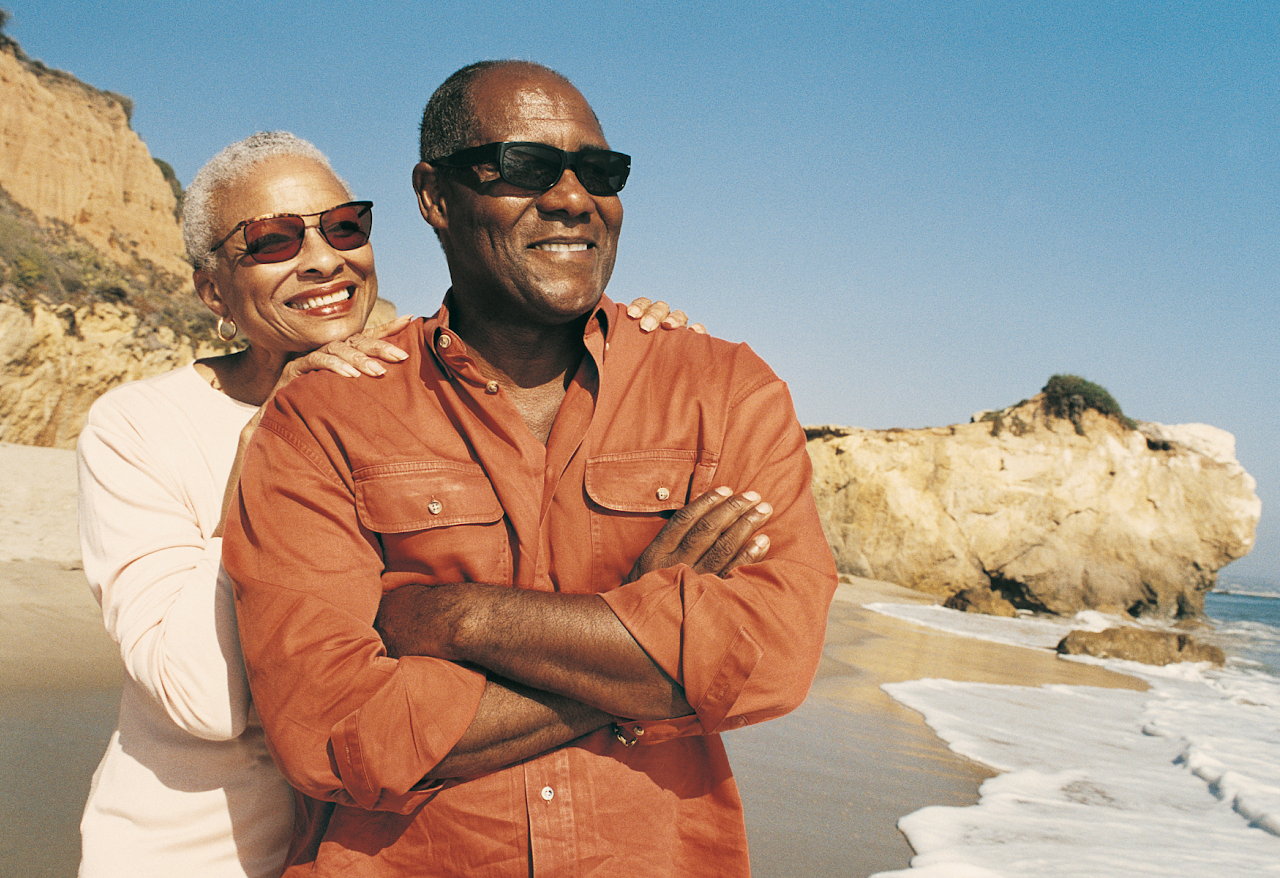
(1066,396)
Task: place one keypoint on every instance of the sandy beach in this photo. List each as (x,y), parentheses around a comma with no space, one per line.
(824,787)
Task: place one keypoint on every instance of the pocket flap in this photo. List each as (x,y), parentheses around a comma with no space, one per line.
(403,497)
(642,481)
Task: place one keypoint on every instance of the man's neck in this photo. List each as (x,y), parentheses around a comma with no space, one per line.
(532,364)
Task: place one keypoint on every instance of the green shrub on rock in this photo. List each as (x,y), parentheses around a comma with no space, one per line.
(1066,396)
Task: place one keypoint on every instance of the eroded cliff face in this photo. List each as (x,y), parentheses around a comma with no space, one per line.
(1117,520)
(57,361)
(67,154)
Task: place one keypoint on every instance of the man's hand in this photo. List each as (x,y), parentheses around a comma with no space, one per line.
(713,534)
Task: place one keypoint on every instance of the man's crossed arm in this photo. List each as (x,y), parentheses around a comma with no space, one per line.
(562,665)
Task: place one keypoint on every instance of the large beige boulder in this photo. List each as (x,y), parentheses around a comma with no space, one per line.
(1116,520)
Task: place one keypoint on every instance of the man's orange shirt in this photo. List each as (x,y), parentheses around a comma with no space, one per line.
(353,487)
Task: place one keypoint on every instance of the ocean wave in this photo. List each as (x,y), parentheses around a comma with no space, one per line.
(1181,779)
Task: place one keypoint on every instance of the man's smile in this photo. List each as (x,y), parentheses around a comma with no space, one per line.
(562,248)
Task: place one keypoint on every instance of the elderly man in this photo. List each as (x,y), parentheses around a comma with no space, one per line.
(541,690)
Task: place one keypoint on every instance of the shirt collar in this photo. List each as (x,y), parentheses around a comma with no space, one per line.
(452,354)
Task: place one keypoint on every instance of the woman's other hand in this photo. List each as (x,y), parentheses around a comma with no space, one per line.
(654,314)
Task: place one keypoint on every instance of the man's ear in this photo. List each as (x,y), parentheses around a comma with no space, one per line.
(431,203)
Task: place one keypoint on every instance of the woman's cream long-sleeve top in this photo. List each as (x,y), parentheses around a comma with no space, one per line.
(186,786)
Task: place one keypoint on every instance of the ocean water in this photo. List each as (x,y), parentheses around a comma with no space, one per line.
(1180,780)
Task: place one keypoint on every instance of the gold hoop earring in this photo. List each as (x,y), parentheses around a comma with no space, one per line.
(222,321)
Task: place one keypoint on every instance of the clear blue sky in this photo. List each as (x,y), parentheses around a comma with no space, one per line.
(913,211)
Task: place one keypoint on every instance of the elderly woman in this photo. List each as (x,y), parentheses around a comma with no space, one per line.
(282,257)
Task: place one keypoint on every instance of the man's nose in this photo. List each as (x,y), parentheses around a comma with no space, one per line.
(568,196)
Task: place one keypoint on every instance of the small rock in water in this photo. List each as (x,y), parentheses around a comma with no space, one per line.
(980,600)
(1140,645)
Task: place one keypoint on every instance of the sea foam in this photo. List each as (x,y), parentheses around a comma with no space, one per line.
(1183,779)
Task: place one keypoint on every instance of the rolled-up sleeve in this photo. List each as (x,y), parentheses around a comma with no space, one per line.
(345,722)
(745,647)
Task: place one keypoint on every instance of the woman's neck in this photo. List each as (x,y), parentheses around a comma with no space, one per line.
(247,375)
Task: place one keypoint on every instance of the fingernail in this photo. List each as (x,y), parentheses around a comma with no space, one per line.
(751,496)
(724,492)
(377,368)
(633,311)
(764,509)
(648,324)
(397,354)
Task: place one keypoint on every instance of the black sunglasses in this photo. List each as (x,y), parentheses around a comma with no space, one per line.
(538,167)
(278,237)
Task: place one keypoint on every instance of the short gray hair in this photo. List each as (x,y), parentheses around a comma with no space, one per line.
(233,163)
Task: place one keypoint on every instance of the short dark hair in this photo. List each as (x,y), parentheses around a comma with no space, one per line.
(448,121)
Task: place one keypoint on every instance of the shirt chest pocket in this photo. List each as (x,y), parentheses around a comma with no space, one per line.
(438,518)
(647,481)
(632,495)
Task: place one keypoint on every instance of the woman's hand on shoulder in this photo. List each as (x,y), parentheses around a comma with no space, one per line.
(654,314)
(362,354)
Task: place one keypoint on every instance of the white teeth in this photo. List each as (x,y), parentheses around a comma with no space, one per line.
(560,248)
(321,301)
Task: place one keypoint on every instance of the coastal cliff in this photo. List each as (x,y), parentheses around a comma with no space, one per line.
(95,288)
(67,153)
(1034,511)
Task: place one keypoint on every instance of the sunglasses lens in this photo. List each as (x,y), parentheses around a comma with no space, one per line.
(530,166)
(274,240)
(602,172)
(347,227)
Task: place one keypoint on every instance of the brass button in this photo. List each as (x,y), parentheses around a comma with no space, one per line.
(491,387)
(663,494)
(444,341)
(435,507)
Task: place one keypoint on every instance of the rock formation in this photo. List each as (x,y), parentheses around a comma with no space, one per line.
(57,361)
(1022,505)
(67,153)
(1141,645)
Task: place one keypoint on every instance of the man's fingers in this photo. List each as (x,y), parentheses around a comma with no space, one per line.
(712,534)
(673,533)
(726,517)
(736,541)
(755,550)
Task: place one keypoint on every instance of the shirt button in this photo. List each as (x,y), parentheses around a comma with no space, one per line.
(663,493)
(491,387)
(444,341)
(435,507)
(548,793)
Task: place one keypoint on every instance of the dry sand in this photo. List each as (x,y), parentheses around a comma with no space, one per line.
(824,786)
